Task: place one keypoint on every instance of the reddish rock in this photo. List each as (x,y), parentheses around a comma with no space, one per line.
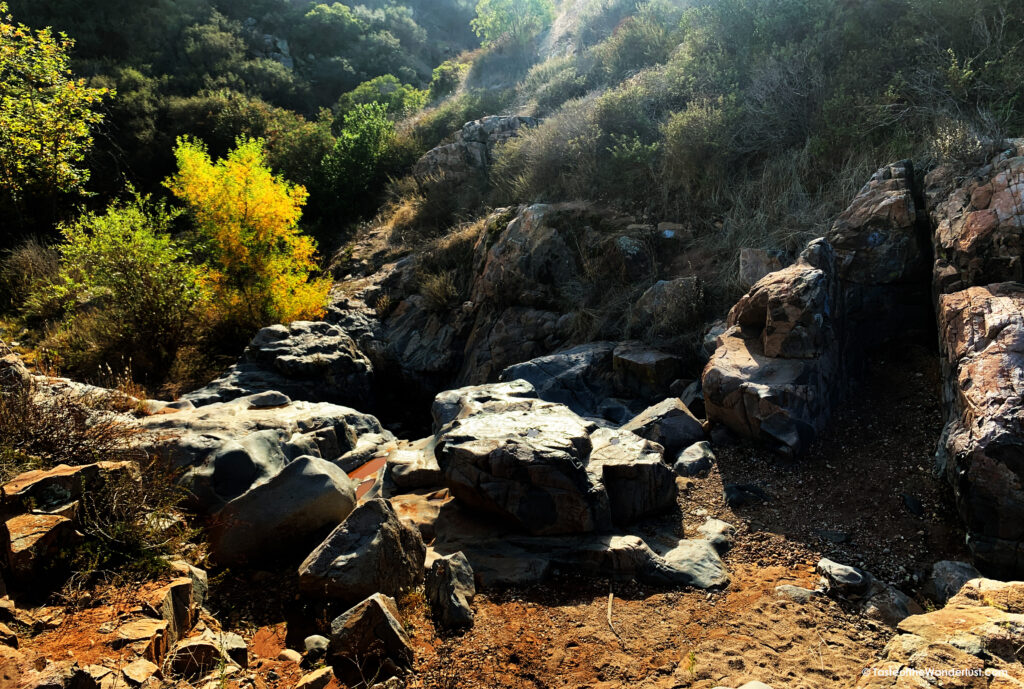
(982,447)
(146,636)
(33,541)
(47,490)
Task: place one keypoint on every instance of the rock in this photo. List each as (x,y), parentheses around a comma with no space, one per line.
(371,637)
(756,685)
(450,591)
(755,264)
(370,446)
(528,466)
(668,306)
(193,658)
(720,534)
(415,466)
(50,490)
(139,671)
(946,578)
(279,516)
(668,423)
(145,636)
(630,469)
(200,581)
(318,679)
(231,645)
(973,639)
(33,544)
(740,494)
(316,644)
(798,335)
(370,552)
(579,377)
(695,563)
(981,448)
(304,360)
(290,656)
(464,402)
(797,594)
(174,603)
(7,636)
(643,372)
(695,460)
(450,166)
(832,536)
(874,598)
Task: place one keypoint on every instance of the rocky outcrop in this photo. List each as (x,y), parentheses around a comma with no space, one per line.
(978,249)
(231,447)
(547,469)
(795,338)
(469,156)
(311,361)
(974,641)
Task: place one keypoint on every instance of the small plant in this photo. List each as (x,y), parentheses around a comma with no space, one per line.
(439,290)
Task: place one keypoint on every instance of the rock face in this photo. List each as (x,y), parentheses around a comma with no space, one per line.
(312,361)
(370,552)
(307,495)
(547,469)
(469,156)
(978,247)
(793,340)
(974,641)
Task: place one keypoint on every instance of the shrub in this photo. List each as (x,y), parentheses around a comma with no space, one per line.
(446,78)
(397,98)
(25,268)
(260,262)
(125,283)
(356,163)
(511,20)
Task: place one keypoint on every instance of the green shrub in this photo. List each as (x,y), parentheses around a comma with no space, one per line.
(514,21)
(397,98)
(446,78)
(126,289)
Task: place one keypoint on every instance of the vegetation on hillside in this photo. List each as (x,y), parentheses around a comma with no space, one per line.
(752,123)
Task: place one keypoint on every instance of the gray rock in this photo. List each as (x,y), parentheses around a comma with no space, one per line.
(450,591)
(415,466)
(668,423)
(370,552)
(632,473)
(579,377)
(946,578)
(695,562)
(669,306)
(740,494)
(720,534)
(462,402)
(696,460)
(316,643)
(370,637)
(875,599)
(306,360)
(797,594)
(304,498)
(231,645)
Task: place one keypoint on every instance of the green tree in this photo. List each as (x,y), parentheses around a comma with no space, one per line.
(398,98)
(46,115)
(514,20)
(354,165)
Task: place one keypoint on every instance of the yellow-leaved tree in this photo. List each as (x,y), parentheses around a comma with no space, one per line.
(261,265)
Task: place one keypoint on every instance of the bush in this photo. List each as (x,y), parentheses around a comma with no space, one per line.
(397,98)
(512,20)
(446,78)
(355,165)
(25,268)
(126,290)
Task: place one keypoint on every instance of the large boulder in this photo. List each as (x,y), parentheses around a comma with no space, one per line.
(669,423)
(544,468)
(306,496)
(578,377)
(981,452)
(974,641)
(793,341)
(371,551)
(306,360)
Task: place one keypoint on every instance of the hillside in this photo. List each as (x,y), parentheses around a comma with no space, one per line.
(516,343)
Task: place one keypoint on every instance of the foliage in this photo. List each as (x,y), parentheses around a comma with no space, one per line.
(46,116)
(511,20)
(123,278)
(446,78)
(397,98)
(354,165)
(260,264)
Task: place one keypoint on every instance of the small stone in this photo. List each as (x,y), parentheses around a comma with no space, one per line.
(318,679)
(290,656)
(139,671)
